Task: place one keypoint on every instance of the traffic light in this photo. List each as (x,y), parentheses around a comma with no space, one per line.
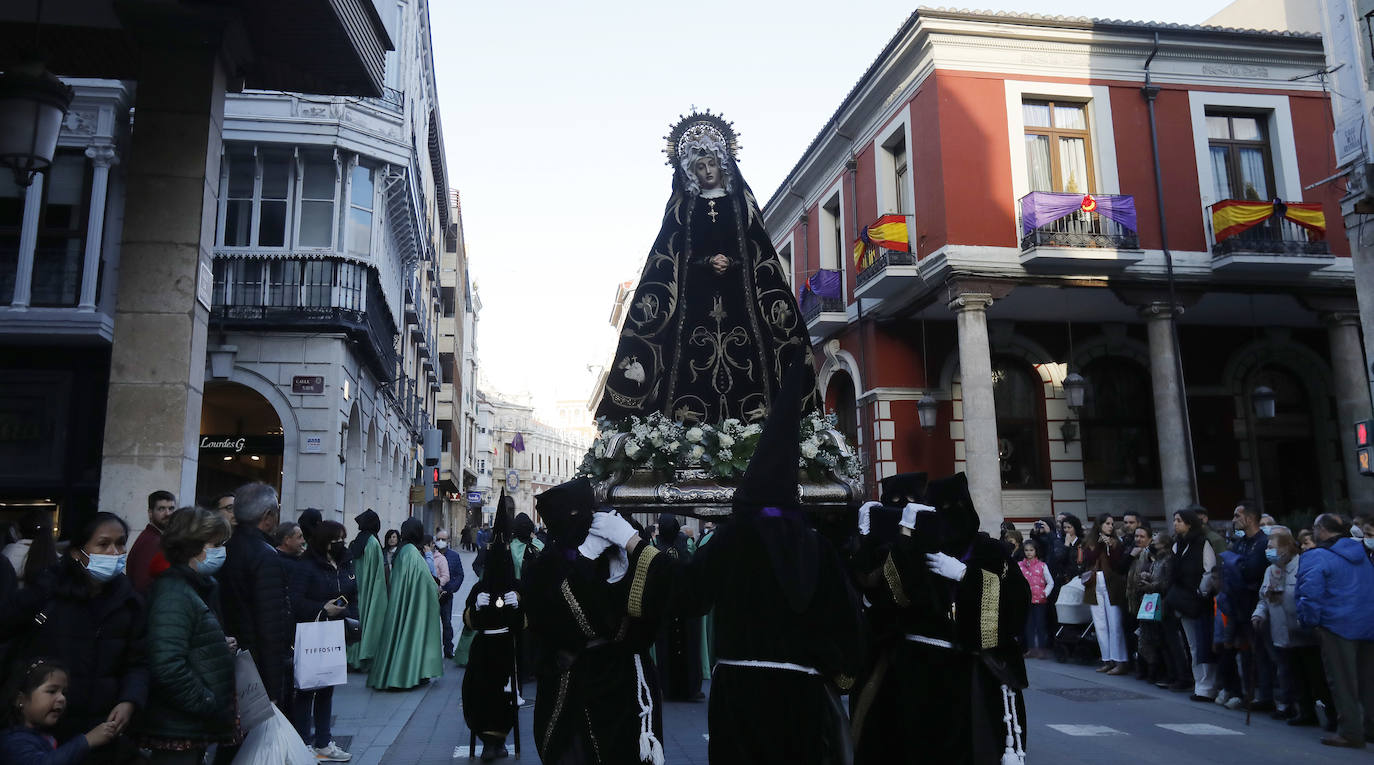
(1362,456)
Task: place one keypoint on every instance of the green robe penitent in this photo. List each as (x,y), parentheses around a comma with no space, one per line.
(372,604)
(410,647)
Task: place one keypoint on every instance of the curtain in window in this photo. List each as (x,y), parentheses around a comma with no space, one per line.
(1035,115)
(1255,184)
(1073,164)
(1038,162)
(1221,179)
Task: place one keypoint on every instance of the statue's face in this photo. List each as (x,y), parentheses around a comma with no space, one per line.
(707,171)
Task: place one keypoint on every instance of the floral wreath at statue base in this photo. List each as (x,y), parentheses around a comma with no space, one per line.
(655,464)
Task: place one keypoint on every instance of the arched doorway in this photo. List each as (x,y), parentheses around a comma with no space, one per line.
(1285,447)
(1018,398)
(241,440)
(1119,448)
(840,399)
(353,464)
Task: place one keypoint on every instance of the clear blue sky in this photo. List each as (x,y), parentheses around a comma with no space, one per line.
(553,114)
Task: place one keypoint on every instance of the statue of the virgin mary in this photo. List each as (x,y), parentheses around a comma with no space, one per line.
(713,317)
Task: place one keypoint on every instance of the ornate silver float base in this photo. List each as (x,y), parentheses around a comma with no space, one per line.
(700,495)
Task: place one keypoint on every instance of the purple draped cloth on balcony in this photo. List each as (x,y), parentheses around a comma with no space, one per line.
(825,283)
(1040,208)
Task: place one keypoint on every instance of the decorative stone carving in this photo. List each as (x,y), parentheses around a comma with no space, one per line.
(1236,70)
(81,121)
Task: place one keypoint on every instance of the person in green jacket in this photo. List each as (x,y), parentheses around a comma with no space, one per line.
(370,570)
(410,651)
(190,660)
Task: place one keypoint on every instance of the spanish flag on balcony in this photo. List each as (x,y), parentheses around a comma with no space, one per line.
(888,232)
(1233,216)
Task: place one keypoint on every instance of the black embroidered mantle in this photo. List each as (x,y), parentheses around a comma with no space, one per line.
(700,346)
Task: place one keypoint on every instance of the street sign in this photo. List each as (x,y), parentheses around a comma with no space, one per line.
(417,495)
(308,384)
(474,497)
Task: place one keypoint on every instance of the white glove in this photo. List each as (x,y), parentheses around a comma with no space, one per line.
(614,528)
(945,565)
(512,599)
(620,564)
(483,599)
(594,545)
(910,512)
(864,511)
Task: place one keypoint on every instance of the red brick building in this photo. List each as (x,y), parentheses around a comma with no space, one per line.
(978,129)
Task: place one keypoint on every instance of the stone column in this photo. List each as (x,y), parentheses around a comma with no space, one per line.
(157,366)
(28,243)
(101,156)
(1352,401)
(980,414)
(1175,472)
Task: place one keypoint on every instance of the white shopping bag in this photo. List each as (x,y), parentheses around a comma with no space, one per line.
(321,659)
(254,706)
(274,742)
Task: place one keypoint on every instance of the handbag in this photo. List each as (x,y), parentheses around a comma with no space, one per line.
(353,630)
(1149,609)
(321,657)
(254,705)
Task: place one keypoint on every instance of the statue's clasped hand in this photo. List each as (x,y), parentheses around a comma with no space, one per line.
(719,263)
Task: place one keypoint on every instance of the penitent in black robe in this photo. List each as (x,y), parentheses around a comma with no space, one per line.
(487,707)
(762,715)
(700,346)
(948,699)
(599,695)
(678,649)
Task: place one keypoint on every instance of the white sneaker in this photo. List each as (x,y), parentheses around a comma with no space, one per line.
(1221,698)
(1234,703)
(332,753)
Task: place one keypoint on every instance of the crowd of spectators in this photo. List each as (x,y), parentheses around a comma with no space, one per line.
(1263,618)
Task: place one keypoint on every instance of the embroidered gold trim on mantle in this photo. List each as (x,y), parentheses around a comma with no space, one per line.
(991,603)
(894,582)
(636,606)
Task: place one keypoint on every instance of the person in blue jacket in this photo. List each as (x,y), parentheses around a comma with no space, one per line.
(1334,579)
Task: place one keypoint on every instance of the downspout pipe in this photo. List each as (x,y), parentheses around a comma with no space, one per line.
(1150,92)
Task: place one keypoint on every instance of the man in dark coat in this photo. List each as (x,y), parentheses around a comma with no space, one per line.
(953,681)
(450,588)
(254,590)
(596,608)
(678,650)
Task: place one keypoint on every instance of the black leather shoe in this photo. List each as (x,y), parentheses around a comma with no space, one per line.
(1303,721)
(1195,697)
(1261,706)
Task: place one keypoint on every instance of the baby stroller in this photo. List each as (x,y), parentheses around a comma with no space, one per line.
(1075,639)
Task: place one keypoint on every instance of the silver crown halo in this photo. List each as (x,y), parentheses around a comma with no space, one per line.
(694,128)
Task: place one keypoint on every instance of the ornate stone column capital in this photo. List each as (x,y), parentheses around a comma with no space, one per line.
(970,301)
(102,155)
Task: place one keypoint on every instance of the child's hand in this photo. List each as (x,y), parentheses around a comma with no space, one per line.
(102,734)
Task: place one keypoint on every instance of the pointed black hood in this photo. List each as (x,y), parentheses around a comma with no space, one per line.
(369,525)
(502,526)
(771,478)
(567,511)
(767,496)
(958,517)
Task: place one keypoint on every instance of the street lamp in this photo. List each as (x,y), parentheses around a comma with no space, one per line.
(928,409)
(1075,390)
(33,103)
(1263,399)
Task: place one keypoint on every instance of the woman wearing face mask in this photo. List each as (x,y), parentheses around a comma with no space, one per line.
(1302,681)
(190,659)
(83,613)
(322,587)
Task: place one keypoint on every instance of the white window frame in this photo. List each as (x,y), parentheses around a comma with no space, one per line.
(828,221)
(255,217)
(886,175)
(1096,99)
(299,196)
(355,161)
(1283,150)
(790,261)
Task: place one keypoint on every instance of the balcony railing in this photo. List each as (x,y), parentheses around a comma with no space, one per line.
(1101,221)
(1276,234)
(813,305)
(884,259)
(314,293)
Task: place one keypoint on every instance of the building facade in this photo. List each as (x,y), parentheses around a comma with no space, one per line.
(526,455)
(330,320)
(1018,152)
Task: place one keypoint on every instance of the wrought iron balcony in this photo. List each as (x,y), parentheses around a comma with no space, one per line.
(1081,229)
(886,274)
(318,294)
(1275,243)
(812,306)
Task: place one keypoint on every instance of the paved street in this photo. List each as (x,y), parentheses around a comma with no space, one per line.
(1076,717)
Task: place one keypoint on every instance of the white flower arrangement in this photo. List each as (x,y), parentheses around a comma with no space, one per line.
(724,450)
